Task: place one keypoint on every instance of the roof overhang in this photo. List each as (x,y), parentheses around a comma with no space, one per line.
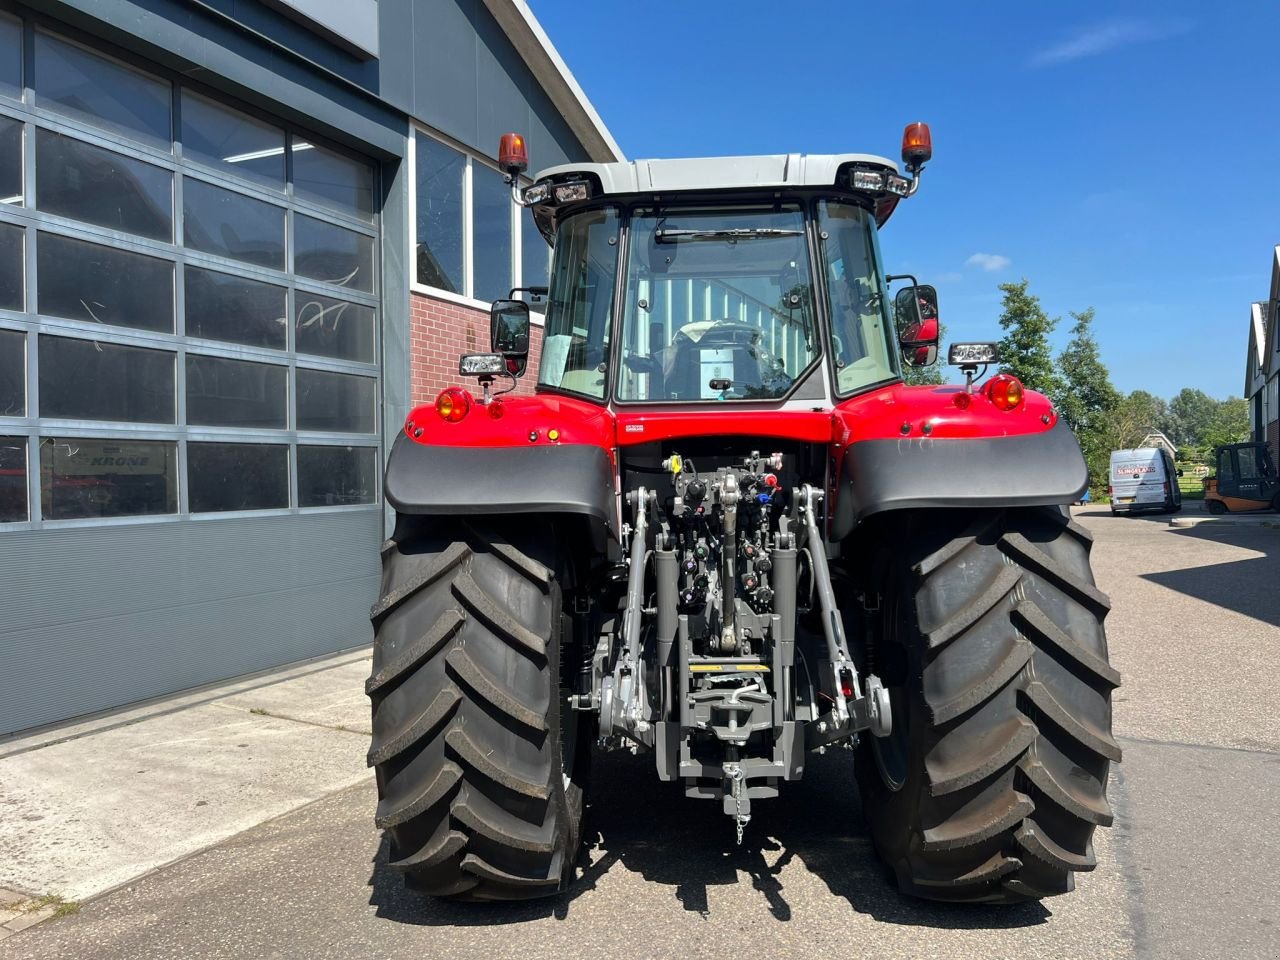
(535,48)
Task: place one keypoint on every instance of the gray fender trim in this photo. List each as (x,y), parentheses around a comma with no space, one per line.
(1020,471)
(548,478)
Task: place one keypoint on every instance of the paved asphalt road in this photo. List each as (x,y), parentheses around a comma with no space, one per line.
(1188,871)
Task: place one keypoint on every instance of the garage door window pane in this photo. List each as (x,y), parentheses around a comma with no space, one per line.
(107,478)
(107,94)
(333,476)
(12,276)
(10,58)
(232,225)
(324,177)
(335,402)
(491,239)
(13,374)
(93,380)
(232,141)
(331,254)
(237,476)
(87,281)
(78,180)
(234,309)
(439,202)
(333,328)
(13,480)
(236,393)
(10,161)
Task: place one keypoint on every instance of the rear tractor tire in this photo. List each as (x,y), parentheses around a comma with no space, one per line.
(992,647)
(480,765)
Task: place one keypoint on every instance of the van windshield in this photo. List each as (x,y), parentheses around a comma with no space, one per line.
(718,305)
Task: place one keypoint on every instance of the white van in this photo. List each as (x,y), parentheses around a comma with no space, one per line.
(1143,479)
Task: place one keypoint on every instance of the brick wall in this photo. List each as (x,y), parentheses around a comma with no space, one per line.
(440,331)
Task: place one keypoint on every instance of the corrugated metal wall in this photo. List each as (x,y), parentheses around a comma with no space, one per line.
(81,609)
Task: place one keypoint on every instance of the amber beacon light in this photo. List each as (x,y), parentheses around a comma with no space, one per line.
(513,155)
(917,146)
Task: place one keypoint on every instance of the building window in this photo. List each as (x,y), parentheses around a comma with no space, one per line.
(101,92)
(231,141)
(238,476)
(12,275)
(470,237)
(87,183)
(97,380)
(13,373)
(82,478)
(440,178)
(10,57)
(10,160)
(13,479)
(203,321)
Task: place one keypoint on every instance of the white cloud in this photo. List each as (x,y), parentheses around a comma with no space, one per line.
(1107,36)
(990,262)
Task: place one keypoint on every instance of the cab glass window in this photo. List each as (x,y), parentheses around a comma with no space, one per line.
(575,348)
(718,305)
(857,300)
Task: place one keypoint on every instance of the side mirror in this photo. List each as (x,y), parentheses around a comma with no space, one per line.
(916,314)
(509,333)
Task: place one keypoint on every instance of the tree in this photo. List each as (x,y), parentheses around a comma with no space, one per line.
(1087,393)
(1129,421)
(1025,351)
(1087,398)
(1230,423)
(1159,417)
(1192,412)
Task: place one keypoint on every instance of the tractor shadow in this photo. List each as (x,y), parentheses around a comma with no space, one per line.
(687,847)
(1245,586)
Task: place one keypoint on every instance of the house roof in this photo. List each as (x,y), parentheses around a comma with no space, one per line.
(1262,361)
(539,54)
(1256,358)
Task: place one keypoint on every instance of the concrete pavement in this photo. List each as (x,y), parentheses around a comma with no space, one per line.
(1188,870)
(87,807)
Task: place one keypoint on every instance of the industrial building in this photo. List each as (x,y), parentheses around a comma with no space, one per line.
(237,241)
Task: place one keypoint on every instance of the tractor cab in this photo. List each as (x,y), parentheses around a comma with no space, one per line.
(1246,480)
(714,282)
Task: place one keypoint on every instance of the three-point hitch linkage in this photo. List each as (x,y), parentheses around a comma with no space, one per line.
(703,667)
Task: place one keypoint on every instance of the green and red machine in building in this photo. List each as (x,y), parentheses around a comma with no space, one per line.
(723,533)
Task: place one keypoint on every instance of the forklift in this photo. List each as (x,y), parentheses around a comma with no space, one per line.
(1246,480)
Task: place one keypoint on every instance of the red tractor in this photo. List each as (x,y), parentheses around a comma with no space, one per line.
(724,534)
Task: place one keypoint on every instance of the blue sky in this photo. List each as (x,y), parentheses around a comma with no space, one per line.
(1119,155)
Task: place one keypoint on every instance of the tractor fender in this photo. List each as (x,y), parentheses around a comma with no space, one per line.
(1025,470)
(426,478)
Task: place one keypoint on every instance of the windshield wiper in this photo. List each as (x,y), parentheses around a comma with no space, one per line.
(675,235)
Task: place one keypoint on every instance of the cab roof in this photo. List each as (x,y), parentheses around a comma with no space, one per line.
(717,173)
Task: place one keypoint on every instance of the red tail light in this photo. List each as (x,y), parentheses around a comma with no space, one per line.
(513,155)
(1005,391)
(453,404)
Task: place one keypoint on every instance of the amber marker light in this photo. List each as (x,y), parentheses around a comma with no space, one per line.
(513,155)
(453,404)
(1005,391)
